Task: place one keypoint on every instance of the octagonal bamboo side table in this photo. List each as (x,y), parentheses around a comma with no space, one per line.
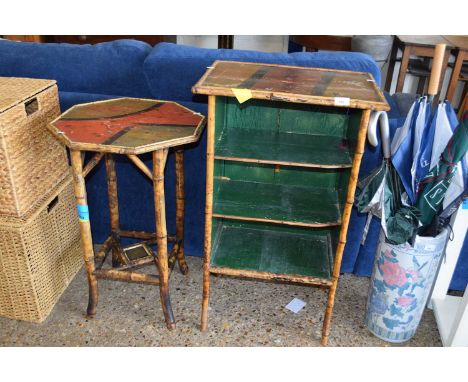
(130,126)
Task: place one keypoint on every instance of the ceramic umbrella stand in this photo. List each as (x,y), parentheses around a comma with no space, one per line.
(401,281)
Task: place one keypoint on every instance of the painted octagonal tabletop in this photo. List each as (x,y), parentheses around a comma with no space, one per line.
(127,126)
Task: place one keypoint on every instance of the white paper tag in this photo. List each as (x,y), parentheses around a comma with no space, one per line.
(295,305)
(342,101)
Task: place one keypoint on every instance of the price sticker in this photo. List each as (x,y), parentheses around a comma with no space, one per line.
(242,95)
(342,101)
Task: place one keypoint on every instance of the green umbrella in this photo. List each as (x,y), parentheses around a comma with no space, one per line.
(379,193)
(433,186)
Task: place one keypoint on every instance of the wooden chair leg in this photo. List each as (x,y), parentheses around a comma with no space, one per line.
(455,76)
(403,69)
(159,160)
(391,65)
(180,207)
(421,85)
(85,229)
(464,102)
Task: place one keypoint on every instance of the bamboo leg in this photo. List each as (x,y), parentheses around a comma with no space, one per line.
(173,256)
(208,211)
(117,253)
(180,206)
(92,163)
(144,235)
(159,160)
(359,151)
(140,164)
(85,229)
(100,257)
(128,276)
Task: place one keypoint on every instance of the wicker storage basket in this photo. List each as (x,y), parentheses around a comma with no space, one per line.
(32,161)
(39,256)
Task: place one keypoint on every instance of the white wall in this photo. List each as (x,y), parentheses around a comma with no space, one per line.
(263,43)
(247,42)
(199,41)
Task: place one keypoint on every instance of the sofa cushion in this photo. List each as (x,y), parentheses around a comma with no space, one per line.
(69,99)
(108,68)
(172,69)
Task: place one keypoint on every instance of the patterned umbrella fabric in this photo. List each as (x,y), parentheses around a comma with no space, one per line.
(433,188)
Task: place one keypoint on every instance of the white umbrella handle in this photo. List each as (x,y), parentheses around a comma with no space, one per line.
(382,117)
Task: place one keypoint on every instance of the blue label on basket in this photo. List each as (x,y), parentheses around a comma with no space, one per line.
(465,204)
(83,213)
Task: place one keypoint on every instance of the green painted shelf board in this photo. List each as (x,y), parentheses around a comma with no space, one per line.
(283,148)
(285,203)
(265,248)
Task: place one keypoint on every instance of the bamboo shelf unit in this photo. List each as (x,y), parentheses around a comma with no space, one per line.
(282,169)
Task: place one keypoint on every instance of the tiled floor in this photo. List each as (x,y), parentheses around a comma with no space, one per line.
(242,313)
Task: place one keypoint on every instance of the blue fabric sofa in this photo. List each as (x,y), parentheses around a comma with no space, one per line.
(86,73)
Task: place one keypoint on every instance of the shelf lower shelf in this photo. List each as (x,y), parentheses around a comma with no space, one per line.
(284,204)
(251,145)
(269,252)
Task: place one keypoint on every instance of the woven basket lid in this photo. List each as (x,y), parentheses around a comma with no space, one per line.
(15,90)
(19,222)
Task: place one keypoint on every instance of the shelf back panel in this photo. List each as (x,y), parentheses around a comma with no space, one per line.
(286,117)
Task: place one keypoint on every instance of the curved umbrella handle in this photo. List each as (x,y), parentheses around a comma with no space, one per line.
(382,117)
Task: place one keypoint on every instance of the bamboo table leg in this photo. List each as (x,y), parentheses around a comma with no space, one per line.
(353,178)
(180,206)
(208,211)
(85,229)
(159,161)
(117,253)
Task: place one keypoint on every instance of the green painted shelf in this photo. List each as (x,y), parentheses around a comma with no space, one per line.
(286,204)
(286,148)
(272,249)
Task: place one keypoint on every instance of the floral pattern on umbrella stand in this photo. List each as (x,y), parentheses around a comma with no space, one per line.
(400,285)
